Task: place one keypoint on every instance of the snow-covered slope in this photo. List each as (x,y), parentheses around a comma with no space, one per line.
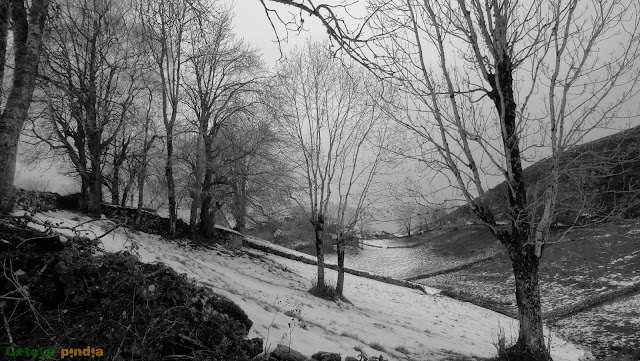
(405,324)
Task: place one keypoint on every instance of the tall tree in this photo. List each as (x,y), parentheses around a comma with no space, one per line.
(225,72)
(165,27)
(89,84)
(27,33)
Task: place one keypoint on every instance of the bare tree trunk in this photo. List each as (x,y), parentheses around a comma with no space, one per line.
(530,338)
(207,210)
(4,32)
(115,187)
(142,174)
(340,248)
(127,190)
(9,135)
(240,204)
(171,187)
(94,207)
(27,39)
(318,230)
(196,203)
(141,178)
(83,200)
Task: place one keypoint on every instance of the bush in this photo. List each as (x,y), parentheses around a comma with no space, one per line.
(324,291)
(131,310)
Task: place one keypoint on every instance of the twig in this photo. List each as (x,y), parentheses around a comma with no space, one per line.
(195,342)
(6,323)
(122,342)
(110,230)
(45,266)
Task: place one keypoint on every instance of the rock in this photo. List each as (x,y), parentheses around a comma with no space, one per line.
(350,358)
(285,353)
(326,356)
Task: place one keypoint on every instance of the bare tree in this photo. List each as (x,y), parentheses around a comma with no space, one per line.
(406,215)
(88,87)
(147,143)
(326,124)
(486,84)
(27,34)
(165,26)
(357,171)
(225,72)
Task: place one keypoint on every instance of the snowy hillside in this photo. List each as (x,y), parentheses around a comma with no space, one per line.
(400,323)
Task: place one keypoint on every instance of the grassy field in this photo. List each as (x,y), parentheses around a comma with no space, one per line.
(579,265)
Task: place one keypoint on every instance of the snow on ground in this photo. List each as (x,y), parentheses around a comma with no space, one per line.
(390,318)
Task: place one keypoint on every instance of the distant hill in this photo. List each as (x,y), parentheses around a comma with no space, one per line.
(599,180)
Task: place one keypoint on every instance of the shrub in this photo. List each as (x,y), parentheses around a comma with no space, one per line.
(325,291)
(133,310)
(377,346)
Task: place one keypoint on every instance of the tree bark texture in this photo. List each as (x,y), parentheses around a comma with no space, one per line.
(27,41)
(340,248)
(530,337)
(171,187)
(196,203)
(318,231)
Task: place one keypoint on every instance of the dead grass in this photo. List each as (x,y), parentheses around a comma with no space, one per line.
(377,346)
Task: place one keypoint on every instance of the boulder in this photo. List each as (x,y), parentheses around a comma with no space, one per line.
(326,356)
(285,353)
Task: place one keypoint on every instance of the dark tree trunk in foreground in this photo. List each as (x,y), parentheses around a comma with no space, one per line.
(530,338)
(524,254)
(27,43)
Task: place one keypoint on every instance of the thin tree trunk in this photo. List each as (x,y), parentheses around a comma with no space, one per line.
(318,229)
(171,187)
(142,175)
(4,32)
(27,39)
(240,201)
(340,248)
(115,187)
(141,179)
(196,203)
(126,192)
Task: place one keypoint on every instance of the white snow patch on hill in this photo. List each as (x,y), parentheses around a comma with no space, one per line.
(429,327)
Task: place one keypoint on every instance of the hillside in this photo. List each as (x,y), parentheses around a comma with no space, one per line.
(589,282)
(272,290)
(597,182)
